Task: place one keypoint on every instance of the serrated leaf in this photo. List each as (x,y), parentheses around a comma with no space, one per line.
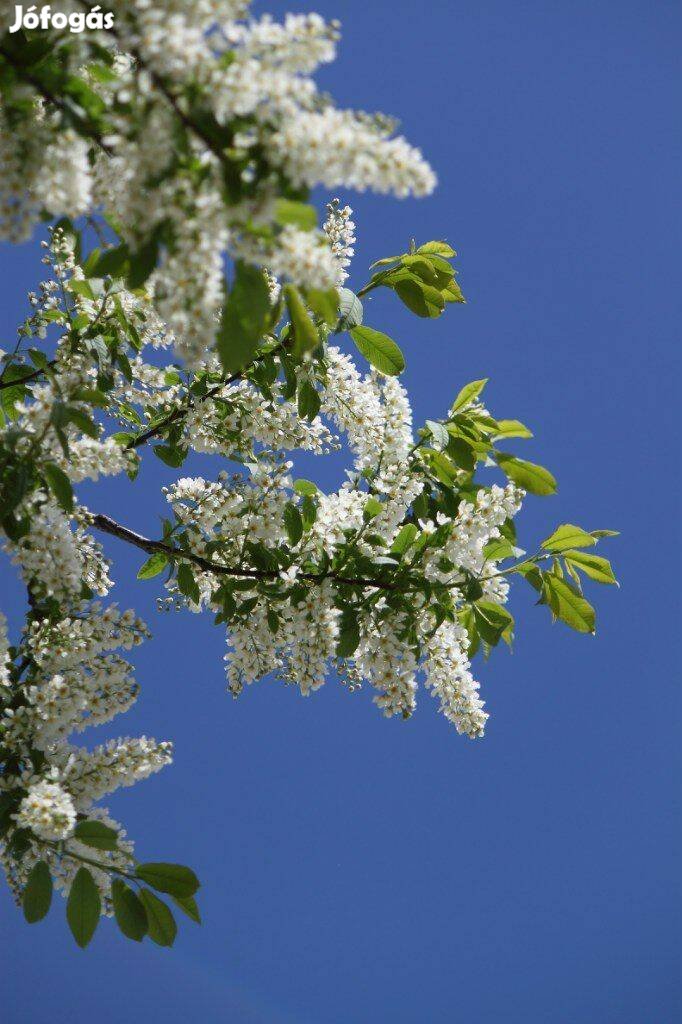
(83,907)
(531,477)
(37,895)
(175,879)
(153,566)
(96,834)
(439,432)
(568,536)
(597,568)
(129,912)
(59,484)
(379,350)
(160,921)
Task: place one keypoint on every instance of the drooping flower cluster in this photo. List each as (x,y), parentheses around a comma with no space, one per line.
(187,182)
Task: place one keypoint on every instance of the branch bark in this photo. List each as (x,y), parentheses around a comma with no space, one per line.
(108,525)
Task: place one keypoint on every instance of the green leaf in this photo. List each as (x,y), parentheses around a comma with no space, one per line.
(568,604)
(605,533)
(567,536)
(437,249)
(293,523)
(512,428)
(246,317)
(305,487)
(160,921)
(37,893)
(153,566)
(83,907)
(59,484)
(597,568)
(306,337)
(441,466)
(419,297)
(349,635)
(533,478)
(469,394)
(187,584)
(301,215)
(492,621)
(438,431)
(81,287)
(141,263)
(128,910)
(175,879)
(110,263)
(170,455)
(373,507)
(96,834)
(309,401)
(405,539)
(325,305)
(188,905)
(350,310)
(379,350)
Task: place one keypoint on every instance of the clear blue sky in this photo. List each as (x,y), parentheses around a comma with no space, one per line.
(362,870)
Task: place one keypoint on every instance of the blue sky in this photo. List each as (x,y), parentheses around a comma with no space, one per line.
(361,870)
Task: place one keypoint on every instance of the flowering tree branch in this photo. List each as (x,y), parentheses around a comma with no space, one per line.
(180,152)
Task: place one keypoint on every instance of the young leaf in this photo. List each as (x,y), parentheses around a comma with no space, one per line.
(160,921)
(175,879)
(567,536)
(324,305)
(187,584)
(293,523)
(350,310)
(379,350)
(96,834)
(405,539)
(306,337)
(598,569)
(309,401)
(419,298)
(153,566)
(437,249)
(128,910)
(468,394)
(349,635)
(305,487)
(301,215)
(83,907)
(246,317)
(59,484)
(37,893)
(534,479)
(569,605)
(512,428)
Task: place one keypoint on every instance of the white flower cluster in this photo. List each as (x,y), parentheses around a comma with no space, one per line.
(77,680)
(251,69)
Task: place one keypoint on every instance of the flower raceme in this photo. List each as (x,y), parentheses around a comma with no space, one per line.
(198,131)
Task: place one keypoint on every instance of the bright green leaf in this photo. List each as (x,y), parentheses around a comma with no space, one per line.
(379,350)
(153,566)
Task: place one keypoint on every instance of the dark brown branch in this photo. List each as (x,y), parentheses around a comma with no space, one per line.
(110,526)
(179,414)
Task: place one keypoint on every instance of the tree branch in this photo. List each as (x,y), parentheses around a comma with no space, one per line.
(108,525)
